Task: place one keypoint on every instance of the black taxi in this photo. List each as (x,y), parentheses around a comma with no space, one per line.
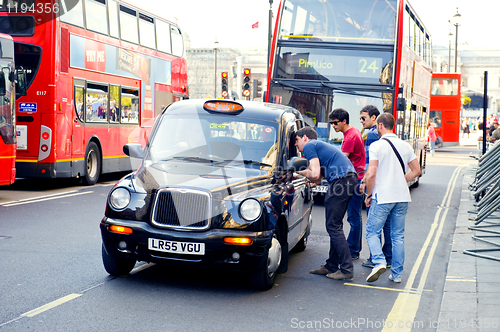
(215,187)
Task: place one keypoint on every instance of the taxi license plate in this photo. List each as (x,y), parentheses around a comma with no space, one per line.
(187,248)
(320,189)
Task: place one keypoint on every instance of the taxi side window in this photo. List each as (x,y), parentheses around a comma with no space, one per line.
(293,151)
(289,144)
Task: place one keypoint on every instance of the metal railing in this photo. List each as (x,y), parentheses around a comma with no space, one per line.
(486,190)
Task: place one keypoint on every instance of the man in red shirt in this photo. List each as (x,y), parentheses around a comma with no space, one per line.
(354,148)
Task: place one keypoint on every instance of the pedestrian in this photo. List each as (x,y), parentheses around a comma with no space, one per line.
(492,128)
(368,118)
(431,138)
(353,147)
(495,136)
(467,127)
(328,162)
(388,195)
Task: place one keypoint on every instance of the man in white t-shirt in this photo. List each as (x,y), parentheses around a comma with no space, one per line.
(388,195)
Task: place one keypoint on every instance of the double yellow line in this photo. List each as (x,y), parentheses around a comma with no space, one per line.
(407,303)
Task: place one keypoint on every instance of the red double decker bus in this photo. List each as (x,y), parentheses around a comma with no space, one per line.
(98,72)
(9,76)
(348,54)
(446,105)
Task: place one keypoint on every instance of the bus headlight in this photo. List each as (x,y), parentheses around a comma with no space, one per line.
(250,209)
(119,198)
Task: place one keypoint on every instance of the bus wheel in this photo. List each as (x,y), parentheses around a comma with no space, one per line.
(92,164)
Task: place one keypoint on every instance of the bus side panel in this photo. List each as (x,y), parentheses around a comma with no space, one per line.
(7,163)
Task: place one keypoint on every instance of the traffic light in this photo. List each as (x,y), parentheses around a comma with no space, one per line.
(257,88)
(225,91)
(246,82)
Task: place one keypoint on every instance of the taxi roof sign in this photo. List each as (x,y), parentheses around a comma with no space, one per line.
(223,106)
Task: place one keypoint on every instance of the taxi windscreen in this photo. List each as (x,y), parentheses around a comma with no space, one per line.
(215,138)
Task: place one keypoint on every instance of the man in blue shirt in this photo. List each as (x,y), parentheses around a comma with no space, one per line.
(368,118)
(328,162)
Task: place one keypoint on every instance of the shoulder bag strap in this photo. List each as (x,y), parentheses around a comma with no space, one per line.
(397,154)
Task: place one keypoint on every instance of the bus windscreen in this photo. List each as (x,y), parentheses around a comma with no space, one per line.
(347,21)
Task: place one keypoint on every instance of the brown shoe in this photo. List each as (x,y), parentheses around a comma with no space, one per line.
(338,275)
(322,271)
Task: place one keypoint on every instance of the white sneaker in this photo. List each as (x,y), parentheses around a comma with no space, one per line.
(376,272)
(391,277)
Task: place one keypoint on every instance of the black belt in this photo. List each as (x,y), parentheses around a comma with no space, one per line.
(345,176)
(350,174)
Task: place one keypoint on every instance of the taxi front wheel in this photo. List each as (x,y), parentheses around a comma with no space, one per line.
(264,278)
(116,266)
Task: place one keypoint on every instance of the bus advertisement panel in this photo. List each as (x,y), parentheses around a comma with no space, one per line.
(446,105)
(98,75)
(344,54)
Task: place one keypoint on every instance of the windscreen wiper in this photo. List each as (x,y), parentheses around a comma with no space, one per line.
(347,92)
(193,159)
(299,89)
(248,162)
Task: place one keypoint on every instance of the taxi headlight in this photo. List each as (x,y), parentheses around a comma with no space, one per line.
(250,209)
(119,198)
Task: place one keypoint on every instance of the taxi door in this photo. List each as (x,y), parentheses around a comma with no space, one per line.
(298,194)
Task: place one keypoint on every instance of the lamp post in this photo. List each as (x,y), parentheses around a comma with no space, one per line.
(216,43)
(456,23)
(269,32)
(450,36)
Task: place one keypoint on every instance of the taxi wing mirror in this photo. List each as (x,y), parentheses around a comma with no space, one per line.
(133,150)
(297,164)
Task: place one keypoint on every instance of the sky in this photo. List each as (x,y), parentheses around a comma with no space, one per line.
(227,21)
(230,21)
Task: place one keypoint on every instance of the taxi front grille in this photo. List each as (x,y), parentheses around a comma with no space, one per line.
(182,209)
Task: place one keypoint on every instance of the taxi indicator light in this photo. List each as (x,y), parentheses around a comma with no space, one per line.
(240,241)
(120,229)
(223,106)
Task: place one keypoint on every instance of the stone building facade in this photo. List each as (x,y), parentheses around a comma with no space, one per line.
(205,81)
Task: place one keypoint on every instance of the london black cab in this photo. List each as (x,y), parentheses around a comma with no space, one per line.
(215,187)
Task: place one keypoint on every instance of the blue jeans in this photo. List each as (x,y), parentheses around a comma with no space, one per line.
(432,145)
(377,217)
(354,219)
(387,247)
